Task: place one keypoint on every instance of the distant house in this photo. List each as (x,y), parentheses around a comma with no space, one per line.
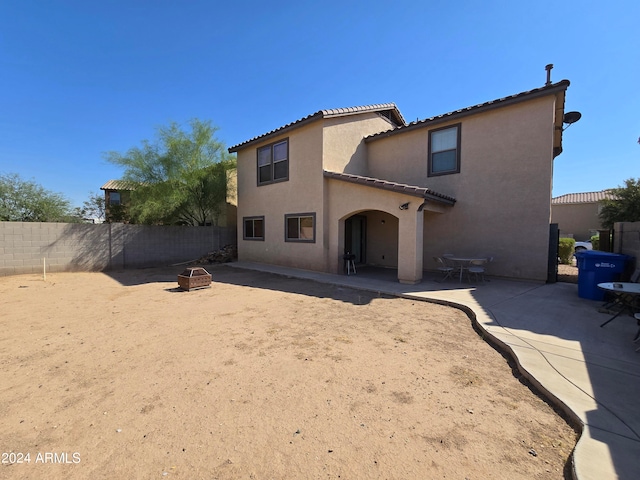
(475,181)
(117,196)
(577,214)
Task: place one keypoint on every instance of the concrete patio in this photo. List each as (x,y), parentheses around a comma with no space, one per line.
(591,373)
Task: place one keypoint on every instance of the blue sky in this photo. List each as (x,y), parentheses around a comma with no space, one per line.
(80,78)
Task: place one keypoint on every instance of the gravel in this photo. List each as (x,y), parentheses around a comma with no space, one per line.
(567,273)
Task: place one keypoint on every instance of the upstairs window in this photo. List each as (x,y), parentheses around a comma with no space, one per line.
(300,227)
(444,151)
(273,163)
(114,198)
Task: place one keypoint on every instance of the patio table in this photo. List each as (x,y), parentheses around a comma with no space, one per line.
(627,295)
(462,263)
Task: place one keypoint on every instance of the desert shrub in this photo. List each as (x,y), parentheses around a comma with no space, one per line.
(595,242)
(566,249)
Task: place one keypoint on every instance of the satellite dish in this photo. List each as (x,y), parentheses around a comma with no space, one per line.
(571,117)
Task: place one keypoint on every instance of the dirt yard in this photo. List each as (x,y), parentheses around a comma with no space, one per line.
(258,377)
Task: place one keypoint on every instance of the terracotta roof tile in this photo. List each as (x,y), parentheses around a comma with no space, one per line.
(412,190)
(119,185)
(397,118)
(547,89)
(585,197)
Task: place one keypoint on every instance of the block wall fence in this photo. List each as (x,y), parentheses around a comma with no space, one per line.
(108,246)
(626,240)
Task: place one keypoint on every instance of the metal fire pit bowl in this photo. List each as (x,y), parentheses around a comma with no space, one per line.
(193,278)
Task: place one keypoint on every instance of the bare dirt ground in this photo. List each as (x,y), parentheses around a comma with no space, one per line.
(258,377)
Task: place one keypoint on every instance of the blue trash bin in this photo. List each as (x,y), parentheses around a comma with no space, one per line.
(596,267)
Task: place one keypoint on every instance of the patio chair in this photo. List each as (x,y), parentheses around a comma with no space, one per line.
(446,270)
(476,267)
(458,267)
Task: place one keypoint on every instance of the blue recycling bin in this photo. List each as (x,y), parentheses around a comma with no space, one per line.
(596,267)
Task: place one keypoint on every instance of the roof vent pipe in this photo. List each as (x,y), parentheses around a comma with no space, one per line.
(548,69)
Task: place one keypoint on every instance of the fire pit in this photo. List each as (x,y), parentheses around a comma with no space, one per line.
(193,278)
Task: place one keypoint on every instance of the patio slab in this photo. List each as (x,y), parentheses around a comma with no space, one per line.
(591,373)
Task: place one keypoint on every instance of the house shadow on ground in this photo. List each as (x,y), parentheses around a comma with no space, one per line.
(221,273)
(141,276)
(599,362)
(269,281)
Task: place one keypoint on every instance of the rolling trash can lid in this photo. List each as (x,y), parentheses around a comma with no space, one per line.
(595,260)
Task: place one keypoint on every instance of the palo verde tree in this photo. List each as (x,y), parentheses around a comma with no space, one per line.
(93,207)
(623,205)
(181,175)
(27,201)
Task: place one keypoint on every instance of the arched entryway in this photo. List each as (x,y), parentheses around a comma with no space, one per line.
(372,236)
(393,218)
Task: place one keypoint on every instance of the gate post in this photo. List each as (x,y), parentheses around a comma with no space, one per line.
(554,240)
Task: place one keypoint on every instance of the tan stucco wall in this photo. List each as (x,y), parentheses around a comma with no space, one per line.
(228,216)
(343,141)
(232,186)
(382,239)
(626,237)
(503,190)
(576,219)
(347,199)
(334,144)
(503,193)
(302,193)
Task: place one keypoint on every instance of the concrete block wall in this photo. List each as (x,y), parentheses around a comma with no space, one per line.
(88,247)
(626,239)
(144,245)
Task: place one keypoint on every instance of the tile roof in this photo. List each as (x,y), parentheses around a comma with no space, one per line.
(501,102)
(412,190)
(394,116)
(119,185)
(586,197)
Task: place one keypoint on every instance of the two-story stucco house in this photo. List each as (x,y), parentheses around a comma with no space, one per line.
(578,214)
(475,181)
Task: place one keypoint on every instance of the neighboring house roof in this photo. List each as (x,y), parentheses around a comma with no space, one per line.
(501,102)
(586,197)
(421,192)
(119,185)
(388,110)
